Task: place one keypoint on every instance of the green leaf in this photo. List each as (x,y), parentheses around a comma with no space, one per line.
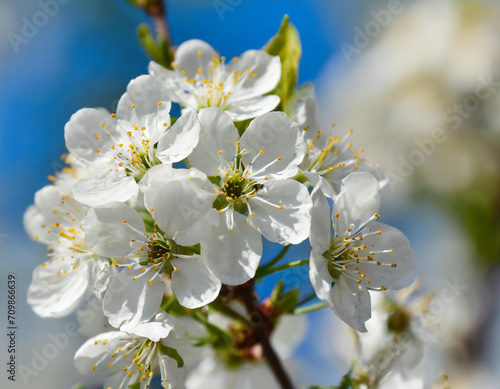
(288,301)
(219,338)
(78,386)
(137,385)
(286,44)
(284,301)
(277,291)
(348,383)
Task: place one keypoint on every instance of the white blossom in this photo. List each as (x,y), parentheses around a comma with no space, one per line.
(361,254)
(201,78)
(134,357)
(178,201)
(65,280)
(329,158)
(255,195)
(127,144)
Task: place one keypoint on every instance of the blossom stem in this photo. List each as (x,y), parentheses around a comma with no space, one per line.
(273,261)
(310,308)
(227,311)
(157,11)
(286,266)
(305,300)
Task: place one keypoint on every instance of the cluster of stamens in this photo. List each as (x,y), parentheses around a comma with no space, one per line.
(136,154)
(213,86)
(71,238)
(332,155)
(141,367)
(344,255)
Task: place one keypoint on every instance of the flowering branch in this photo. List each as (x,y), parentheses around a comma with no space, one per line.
(163,247)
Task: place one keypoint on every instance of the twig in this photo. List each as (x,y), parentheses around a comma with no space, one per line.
(252,305)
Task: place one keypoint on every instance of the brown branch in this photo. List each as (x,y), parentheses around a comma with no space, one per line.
(157,10)
(262,328)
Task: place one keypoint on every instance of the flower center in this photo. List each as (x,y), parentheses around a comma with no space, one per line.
(158,251)
(234,190)
(213,86)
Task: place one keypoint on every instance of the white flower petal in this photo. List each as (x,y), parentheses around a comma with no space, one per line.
(58,289)
(375,170)
(267,74)
(179,140)
(173,85)
(179,208)
(351,303)
(193,283)
(188,58)
(274,146)
(356,203)
(321,279)
(320,221)
(288,334)
(101,273)
(307,115)
(281,212)
(211,373)
(110,228)
(88,139)
(144,93)
(98,191)
(397,268)
(91,320)
(233,249)
(153,330)
(128,301)
(254,107)
(96,358)
(218,134)
(172,377)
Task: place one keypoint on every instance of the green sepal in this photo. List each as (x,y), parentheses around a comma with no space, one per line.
(216,180)
(242,126)
(172,353)
(219,338)
(348,383)
(285,301)
(240,206)
(149,222)
(286,44)
(277,291)
(220,202)
(333,270)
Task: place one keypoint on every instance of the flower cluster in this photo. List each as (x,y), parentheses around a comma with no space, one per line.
(159,220)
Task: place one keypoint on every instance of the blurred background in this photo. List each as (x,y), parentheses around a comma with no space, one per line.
(418,81)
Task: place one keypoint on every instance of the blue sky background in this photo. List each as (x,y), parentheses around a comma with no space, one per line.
(84,57)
